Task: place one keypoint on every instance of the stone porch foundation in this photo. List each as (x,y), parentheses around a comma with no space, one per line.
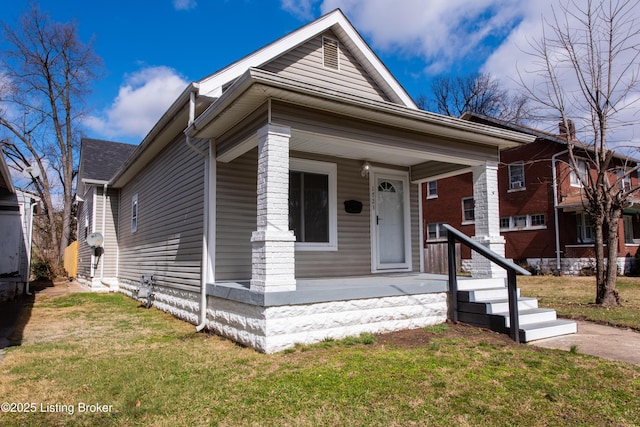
(283,319)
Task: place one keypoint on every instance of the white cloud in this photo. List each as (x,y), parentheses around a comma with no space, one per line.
(142,99)
(448,34)
(302,9)
(441,32)
(184,4)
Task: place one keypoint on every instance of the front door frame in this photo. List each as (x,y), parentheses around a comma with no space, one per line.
(374,174)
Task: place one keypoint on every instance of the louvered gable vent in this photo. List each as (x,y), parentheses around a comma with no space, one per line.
(330,52)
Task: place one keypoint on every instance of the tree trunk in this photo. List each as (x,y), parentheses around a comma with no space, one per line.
(599,250)
(607,295)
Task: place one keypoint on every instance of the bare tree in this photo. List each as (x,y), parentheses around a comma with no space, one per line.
(44,77)
(587,65)
(477,93)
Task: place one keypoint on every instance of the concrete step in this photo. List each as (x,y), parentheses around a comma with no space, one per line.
(488,294)
(469,284)
(538,331)
(496,306)
(499,322)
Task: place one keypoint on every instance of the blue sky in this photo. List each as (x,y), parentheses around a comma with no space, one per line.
(151,50)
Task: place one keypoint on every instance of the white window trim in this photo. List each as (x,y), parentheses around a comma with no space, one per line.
(523,186)
(331,170)
(583,227)
(438,238)
(136,218)
(468,221)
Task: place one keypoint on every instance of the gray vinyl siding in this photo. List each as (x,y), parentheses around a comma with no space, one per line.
(304,63)
(84,251)
(109,257)
(236,220)
(168,240)
(236,216)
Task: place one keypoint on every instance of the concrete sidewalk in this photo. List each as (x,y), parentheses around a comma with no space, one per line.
(599,340)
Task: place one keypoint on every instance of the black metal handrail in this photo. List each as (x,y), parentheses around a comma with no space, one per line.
(512,269)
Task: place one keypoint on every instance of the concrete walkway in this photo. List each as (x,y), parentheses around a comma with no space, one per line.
(599,340)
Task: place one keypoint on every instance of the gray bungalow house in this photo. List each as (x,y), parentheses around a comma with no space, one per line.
(277,201)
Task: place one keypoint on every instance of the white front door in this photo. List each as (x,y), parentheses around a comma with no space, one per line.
(390,222)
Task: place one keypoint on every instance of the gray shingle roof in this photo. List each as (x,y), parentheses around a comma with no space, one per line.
(101,159)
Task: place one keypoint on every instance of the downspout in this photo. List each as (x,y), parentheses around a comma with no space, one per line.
(554,179)
(204,271)
(104,224)
(33,212)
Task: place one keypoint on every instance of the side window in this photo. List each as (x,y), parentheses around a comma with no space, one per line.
(468,209)
(432,189)
(134,213)
(581,172)
(516,176)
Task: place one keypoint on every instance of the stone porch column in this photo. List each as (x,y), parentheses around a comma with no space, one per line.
(487,220)
(273,250)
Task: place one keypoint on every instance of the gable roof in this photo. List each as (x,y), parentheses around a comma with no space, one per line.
(336,21)
(6,183)
(100,159)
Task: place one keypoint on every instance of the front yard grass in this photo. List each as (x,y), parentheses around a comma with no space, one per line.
(155,370)
(574,297)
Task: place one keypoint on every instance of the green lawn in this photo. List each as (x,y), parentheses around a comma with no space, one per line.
(574,297)
(152,369)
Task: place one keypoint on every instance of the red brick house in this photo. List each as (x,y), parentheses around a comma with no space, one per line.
(541,206)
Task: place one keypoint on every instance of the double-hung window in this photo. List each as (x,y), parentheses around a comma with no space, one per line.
(516,176)
(432,189)
(468,210)
(579,172)
(313,204)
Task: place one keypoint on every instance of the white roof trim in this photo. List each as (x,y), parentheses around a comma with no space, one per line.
(6,175)
(212,85)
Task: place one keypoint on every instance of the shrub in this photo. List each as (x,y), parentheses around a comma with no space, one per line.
(42,270)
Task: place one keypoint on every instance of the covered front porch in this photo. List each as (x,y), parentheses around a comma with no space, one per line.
(338,277)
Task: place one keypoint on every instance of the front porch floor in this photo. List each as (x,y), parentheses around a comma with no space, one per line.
(330,289)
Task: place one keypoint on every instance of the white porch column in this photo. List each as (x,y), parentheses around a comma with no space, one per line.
(273,250)
(487,220)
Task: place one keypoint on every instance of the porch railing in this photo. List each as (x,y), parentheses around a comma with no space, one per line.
(454,235)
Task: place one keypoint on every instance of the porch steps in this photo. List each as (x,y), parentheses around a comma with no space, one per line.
(485,303)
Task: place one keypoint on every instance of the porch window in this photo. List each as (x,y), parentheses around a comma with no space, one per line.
(134,213)
(516,176)
(436,231)
(468,210)
(628,229)
(312,204)
(584,228)
(523,222)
